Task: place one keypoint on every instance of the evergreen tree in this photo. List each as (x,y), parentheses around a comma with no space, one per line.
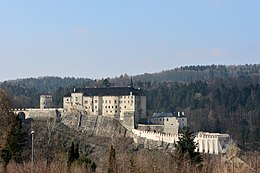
(15,140)
(76,152)
(186,146)
(106,83)
(71,156)
(112,159)
(10,133)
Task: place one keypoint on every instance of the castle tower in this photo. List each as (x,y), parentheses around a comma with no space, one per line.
(45,101)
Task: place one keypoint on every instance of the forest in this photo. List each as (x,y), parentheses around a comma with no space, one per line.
(215,98)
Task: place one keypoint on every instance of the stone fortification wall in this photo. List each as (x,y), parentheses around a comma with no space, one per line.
(43,114)
(151,127)
(94,124)
(156,136)
(38,113)
(212,143)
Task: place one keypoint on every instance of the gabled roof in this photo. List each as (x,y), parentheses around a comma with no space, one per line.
(109,91)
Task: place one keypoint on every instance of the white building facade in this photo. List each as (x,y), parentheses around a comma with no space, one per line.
(171,123)
(114,102)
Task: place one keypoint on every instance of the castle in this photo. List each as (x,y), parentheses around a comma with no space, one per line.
(115,102)
(165,123)
(128,106)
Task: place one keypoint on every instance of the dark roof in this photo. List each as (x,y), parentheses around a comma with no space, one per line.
(163,114)
(109,91)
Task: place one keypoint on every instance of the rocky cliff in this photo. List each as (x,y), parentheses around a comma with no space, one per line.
(95,125)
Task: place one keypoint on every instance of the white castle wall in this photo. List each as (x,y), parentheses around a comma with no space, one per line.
(212,143)
(156,136)
(38,113)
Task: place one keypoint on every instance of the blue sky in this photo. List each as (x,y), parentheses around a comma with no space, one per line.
(96,39)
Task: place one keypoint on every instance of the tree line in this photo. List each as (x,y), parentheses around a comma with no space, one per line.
(224,106)
(219,98)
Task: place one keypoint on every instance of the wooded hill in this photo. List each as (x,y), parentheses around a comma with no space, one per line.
(215,98)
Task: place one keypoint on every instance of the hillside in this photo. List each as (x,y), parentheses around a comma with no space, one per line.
(226,102)
(215,98)
(50,84)
(94,136)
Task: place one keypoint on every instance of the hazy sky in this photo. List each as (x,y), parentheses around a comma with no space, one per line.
(95,38)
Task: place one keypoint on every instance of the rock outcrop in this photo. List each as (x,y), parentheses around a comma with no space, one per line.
(94,124)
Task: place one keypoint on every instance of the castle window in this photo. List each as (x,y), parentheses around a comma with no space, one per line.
(105,106)
(115,111)
(67,100)
(116,107)
(95,101)
(106,101)
(76,99)
(109,107)
(109,101)
(128,101)
(115,101)
(95,107)
(125,107)
(167,119)
(112,107)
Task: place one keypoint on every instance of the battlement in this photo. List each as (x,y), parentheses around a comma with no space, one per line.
(156,136)
(212,143)
(211,135)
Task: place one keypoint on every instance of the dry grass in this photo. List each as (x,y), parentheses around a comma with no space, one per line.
(142,162)
(55,167)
